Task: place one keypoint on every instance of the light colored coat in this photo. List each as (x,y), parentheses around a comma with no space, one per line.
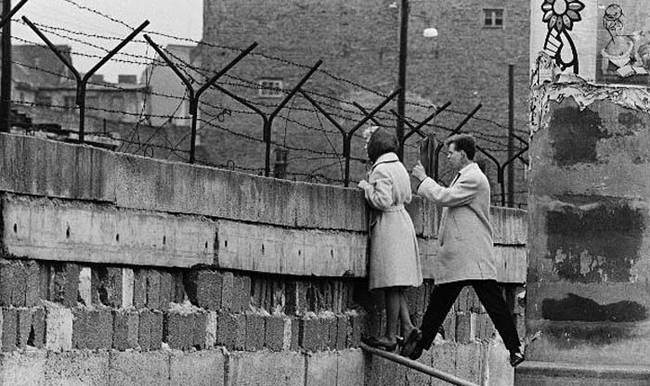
(465,233)
(394,256)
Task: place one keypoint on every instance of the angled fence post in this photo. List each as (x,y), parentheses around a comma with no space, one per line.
(347,136)
(5,76)
(417,128)
(194,95)
(267,120)
(82,81)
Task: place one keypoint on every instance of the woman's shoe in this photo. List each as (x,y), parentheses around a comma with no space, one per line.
(376,343)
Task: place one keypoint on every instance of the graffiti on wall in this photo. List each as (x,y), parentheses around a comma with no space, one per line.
(560,16)
(623,42)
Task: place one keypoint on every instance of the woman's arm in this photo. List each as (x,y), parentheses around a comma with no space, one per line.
(379,190)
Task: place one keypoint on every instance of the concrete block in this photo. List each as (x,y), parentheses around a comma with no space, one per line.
(150,330)
(484,327)
(106,286)
(443,358)
(178,330)
(125,329)
(382,372)
(322,368)
(166,290)
(197,368)
(136,368)
(263,368)
(38,328)
(19,283)
(414,377)
(357,321)
(139,288)
(58,327)
(461,303)
(128,282)
(77,368)
(7,284)
(26,368)
(228,292)
(211,329)
(199,332)
(204,288)
(468,361)
(92,328)
(313,335)
(152,280)
(242,298)
(351,368)
(64,284)
(255,331)
(465,327)
(295,334)
(9,329)
(415,299)
(497,370)
(231,331)
(343,331)
(85,286)
(330,330)
(32,277)
(278,333)
(449,326)
(178,284)
(24,327)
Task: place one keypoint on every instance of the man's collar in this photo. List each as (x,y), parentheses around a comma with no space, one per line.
(467,167)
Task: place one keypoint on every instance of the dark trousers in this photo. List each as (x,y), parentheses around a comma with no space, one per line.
(443,297)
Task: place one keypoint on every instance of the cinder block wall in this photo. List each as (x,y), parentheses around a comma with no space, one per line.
(117,269)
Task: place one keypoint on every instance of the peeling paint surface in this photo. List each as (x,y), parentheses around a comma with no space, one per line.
(578,308)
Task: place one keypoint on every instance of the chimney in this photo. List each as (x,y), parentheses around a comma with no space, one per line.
(127,79)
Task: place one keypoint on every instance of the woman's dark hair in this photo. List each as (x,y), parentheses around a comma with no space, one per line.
(463,142)
(382,141)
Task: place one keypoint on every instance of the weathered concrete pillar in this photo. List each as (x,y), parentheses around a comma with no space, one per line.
(589,197)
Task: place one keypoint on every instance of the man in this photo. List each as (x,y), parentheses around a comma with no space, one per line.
(466,256)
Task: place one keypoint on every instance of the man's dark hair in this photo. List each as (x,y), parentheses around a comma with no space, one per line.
(463,142)
(382,141)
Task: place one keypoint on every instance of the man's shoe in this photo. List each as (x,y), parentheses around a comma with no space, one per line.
(411,348)
(516,357)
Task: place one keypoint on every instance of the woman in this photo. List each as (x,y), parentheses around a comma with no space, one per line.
(394,257)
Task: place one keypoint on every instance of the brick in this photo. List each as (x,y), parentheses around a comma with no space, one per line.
(32,277)
(125,329)
(58,327)
(329,326)
(106,286)
(24,327)
(277,332)
(152,279)
(165,290)
(178,330)
(37,335)
(64,284)
(139,288)
(200,328)
(92,328)
(231,331)
(255,330)
(178,284)
(9,329)
(19,286)
(227,292)
(465,327)
(204,288)
(313,335)
(242,296)
(150,330)
(343,331)
(295,334)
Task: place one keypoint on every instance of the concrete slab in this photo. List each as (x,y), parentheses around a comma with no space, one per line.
(272,249)
(350,370)
(266,368)
(136,368)
(497,370)
(56,230)
(197,368)
(77,368)
(322,368)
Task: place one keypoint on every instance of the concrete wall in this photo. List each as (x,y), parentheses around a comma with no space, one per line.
(589,240)
(203,274)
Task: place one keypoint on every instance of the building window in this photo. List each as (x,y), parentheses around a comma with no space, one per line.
(270,88)
(493,18)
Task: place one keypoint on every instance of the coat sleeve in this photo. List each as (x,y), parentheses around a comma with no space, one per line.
(459,194)
(379,192)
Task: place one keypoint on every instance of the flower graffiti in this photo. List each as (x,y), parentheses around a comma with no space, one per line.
(560,17)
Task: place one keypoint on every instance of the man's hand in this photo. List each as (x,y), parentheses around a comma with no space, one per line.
(418,172)
(363,184)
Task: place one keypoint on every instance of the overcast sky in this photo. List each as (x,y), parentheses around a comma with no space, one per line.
(180,18)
